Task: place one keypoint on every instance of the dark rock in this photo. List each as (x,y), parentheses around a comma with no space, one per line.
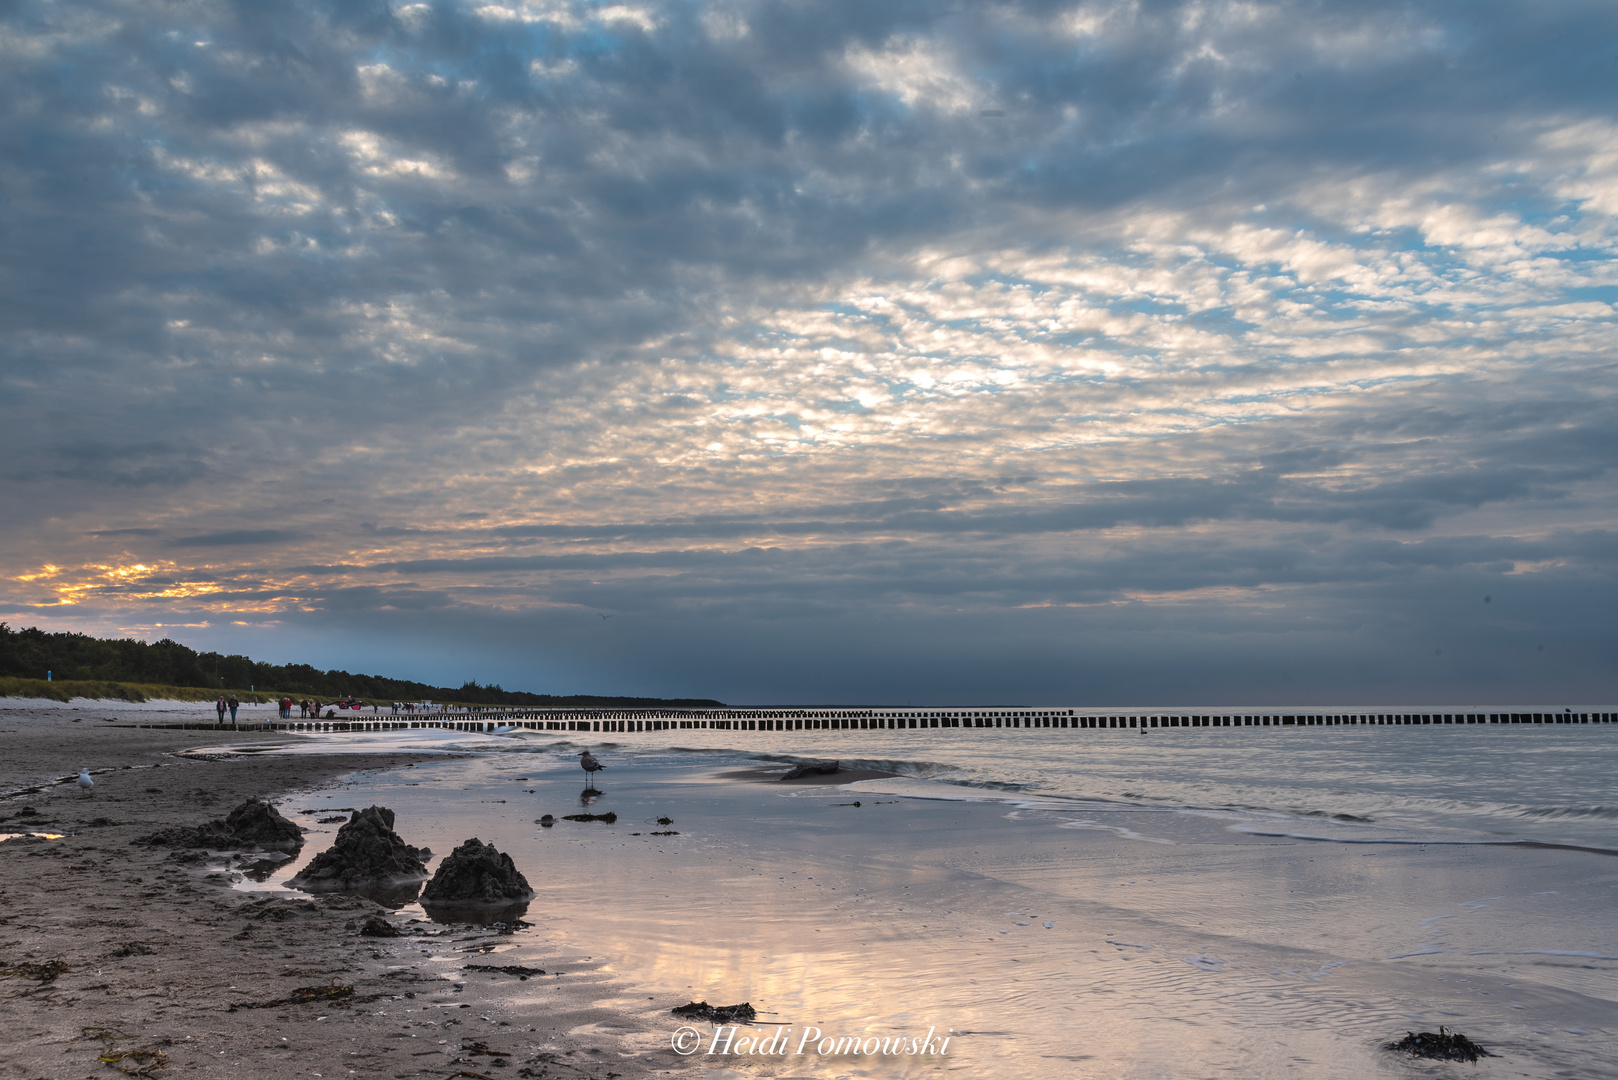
(718,1014)
(811,768)
(367,854)
(1445,1046)
(610,817)
(253,824)
(547,821)
(476,875)
(377,926)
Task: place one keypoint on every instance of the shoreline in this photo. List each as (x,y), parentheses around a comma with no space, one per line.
(126,949)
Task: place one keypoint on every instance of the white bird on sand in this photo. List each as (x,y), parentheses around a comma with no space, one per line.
(590,765)
(86,785)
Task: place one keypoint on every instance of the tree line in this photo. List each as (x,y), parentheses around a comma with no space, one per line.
(30,652)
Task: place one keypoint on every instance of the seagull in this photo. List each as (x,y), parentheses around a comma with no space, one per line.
(86,784)
(604,618)
(588,762)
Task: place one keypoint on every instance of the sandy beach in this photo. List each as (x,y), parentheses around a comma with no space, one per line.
(1278,902)
(122,949)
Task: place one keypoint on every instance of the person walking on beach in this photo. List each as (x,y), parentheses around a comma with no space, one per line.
(234,705)
(219,710)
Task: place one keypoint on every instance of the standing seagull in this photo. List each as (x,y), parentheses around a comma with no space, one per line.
(590,765)
(86,785)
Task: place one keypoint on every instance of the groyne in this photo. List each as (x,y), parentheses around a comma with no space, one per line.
(1074,720)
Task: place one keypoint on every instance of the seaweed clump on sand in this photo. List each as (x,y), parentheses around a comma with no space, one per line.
(812,768)
(474,875)
(718,1014)
(253,824)
(368,854)
(1445,1046)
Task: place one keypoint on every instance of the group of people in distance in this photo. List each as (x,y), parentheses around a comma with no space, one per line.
(307,707)
(310,707)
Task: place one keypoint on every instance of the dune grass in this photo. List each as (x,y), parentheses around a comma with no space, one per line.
(99,690)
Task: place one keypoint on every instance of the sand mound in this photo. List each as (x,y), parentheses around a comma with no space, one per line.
(368,854)
(476,874)
(253,824)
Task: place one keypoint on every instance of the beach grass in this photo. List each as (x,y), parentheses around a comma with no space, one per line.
(99,689)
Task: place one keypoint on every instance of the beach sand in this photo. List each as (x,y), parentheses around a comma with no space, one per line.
(1095,938)
(160,956)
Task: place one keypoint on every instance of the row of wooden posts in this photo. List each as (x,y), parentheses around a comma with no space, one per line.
(626,721)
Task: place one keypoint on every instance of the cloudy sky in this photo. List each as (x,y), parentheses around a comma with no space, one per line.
(817,351)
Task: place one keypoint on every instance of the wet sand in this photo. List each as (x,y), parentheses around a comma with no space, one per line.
(1118,940)
(136,952)
(776,774)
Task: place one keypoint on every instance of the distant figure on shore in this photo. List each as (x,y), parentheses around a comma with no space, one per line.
(86,785)
(234,705)
(219,710)
(591,766)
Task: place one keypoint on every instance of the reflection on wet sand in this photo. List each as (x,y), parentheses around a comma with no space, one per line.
(1024,941)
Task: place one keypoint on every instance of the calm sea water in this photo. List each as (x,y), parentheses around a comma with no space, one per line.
(1238,902)
(1550,784)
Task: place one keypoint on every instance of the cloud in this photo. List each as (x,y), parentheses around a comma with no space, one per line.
(232,539)
(780,318)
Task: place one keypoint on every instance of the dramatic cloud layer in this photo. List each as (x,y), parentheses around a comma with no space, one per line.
(838,352)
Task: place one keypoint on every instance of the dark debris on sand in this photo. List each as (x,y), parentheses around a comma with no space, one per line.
(39,972)
(718,1014)
(377,926)
(253,824)
(812,768)
(505,969)
(1445,1046)
(476,873)
(610,817)
(366,854)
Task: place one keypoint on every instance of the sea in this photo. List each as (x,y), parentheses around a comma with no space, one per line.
(1241,902)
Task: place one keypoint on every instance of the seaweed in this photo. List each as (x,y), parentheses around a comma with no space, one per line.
(331,992)
(40,973)
(302,996)
(1444,1046)
(140,1061)
(718,1014)
(470,1047)
(610,817)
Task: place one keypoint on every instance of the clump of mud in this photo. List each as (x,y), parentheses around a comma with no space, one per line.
(476,875)
(254,824)
(368,854)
